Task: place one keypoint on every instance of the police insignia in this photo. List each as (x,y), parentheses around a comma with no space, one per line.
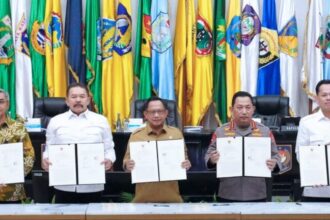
(122,43)
(234,36)
(7,50)
(106,33)
(251,25)
(38,37)
(220,50)
(326,50)
(268,47)
(204,38)
(288,38)
(161,33)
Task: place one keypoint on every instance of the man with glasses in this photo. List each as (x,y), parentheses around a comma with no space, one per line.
(241,189)
(155,113)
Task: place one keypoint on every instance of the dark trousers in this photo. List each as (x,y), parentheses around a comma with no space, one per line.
(74,197)
(314,199)
(10,202)
(229,200)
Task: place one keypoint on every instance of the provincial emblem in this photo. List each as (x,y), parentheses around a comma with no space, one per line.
(326,50)
(54,31)
(161,33)
(106,37)
(251,25)
(146,36)
(268,47)
(7,50)
(21,37)
(234,36)
(38,37)
(220,50)
(122,44)
(288,38)
(204,38)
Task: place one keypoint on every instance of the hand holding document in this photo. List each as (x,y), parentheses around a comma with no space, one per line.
(11,163)
(157,160)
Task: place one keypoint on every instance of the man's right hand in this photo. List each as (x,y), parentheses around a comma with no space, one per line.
(45,164)
(214,157)
(129,165)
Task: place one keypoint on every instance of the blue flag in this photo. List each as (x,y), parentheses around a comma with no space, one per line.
(162,51)
(269,63)
(74,42)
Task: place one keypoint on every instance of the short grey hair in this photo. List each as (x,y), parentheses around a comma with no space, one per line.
(6,94)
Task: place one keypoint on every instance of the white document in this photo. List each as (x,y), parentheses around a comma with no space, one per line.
(144,154)
(256,151)
(171,154)
(230,162)
(62,170)
(313,170)
(90,169)
(11,163)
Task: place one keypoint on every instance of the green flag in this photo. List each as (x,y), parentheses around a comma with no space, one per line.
(37,47)
(219,78)
(142,63)
(94,52)
(7,56)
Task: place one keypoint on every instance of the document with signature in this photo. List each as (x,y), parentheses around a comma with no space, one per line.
(90,167)
(230,163)
(257,150)
(171,154)
(313,165)
(11,163)
(144,154)
(62,170)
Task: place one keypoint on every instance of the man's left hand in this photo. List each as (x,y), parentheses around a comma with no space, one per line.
(186,164)
(107,164)
(271,163)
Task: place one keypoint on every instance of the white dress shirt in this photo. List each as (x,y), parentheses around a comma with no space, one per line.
(314,130)
(88,127)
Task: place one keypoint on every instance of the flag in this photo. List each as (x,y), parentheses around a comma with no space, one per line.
(24,92)
(107,27)
(123,79)
(251,27)
(93,53)
(288,42)
(203,78)
(37,47)
(73,39)
(233,50)
(55,51)
(7,56)
(162,51)
(326,49)
(312,70)
(219,75)
(142,62)
(269,64)
(184,57)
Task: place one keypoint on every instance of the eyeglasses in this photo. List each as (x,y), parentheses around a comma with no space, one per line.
(157,111)
(2,101)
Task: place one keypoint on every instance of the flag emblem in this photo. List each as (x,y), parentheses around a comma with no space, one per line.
(161,33)
(107,34)
(21,37)
(234,36)
(327,40)
(6,42)
(288,40)
(146,36)
(251,25)
(122,43)
(38,37)
(220,50)
(54,31)
(204,37)
(268,48)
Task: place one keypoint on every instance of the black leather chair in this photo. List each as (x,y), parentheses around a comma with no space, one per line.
(271,109)
(48,107)
(172,117)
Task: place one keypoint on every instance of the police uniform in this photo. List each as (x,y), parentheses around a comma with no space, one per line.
(242,188)
(165,191)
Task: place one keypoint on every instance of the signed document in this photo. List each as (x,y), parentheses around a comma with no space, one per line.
(170,157)
(144,154)
(230,163)
(62,170)
(11,163)
(313,165)
(257,150)
(90,167)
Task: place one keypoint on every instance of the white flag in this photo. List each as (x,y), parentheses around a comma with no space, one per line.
(251,27)
(24,92)
(312,69)
(288,42)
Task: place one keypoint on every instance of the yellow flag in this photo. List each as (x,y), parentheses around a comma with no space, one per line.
(55,50)
(233,49)
(184,55)
(108,28)
(203,78)
(122,86)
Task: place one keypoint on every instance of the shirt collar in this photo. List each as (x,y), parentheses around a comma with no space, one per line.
(6,123)
(321,116)
(233,125)
(74,115)
(150,131)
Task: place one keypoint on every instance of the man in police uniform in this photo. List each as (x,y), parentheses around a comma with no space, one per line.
(155,112)
(239,189)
